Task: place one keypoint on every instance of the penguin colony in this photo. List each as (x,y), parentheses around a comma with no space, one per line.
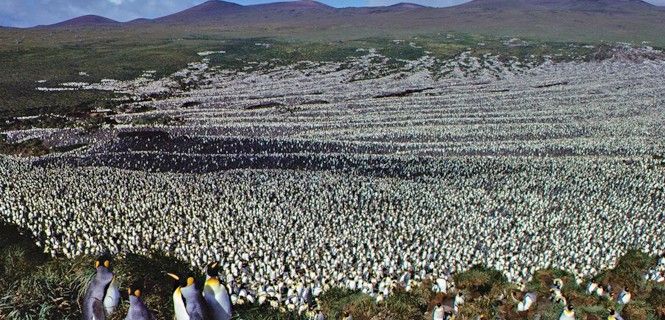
(215,302)
(355,184)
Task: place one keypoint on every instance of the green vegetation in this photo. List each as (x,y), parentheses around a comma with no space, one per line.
(38,286)
(30,147)
(88,55)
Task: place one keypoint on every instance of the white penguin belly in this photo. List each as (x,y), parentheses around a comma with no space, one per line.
(111,298)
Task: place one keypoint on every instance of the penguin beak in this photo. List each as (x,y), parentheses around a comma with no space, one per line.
(176,278)
(214,264)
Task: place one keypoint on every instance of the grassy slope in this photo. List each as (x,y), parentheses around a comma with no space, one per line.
(58,56)
(37,286)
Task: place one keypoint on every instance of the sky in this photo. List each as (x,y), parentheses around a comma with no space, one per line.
(27,13)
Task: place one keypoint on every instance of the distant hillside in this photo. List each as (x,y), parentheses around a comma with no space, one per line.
(562,5)
(206,11)
(406,5)
(563,20)
(83,21)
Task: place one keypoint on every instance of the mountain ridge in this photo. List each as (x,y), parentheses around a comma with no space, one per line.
(212,10)
(85,20)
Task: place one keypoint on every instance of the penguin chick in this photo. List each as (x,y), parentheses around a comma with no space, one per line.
(188,304)
(137,309)
(216,295)
(102,296)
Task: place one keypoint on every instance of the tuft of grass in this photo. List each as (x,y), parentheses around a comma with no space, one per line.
(50,291)
(480,280)
(335,301)
(404,305)
(629,271)
(657,300)
(638,310)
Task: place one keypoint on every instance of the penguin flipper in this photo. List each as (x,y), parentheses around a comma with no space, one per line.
(98,310)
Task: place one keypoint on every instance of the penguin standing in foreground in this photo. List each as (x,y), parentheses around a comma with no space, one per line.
(216,295)
(188,304)
(137,309)
(102,297)
(525,304)
(624,296)
(614,315)
(438,312)
(568,313)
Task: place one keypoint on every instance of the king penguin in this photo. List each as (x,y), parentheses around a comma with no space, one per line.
(102,296)
(188,304)
(137,309)
(624,296)
(614,315)
(568,313)
(216,295)
(438,312)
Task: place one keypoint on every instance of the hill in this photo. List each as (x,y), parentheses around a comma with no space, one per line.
(562,5)
(206,11)
(561,20)
(86,21)
(406,5)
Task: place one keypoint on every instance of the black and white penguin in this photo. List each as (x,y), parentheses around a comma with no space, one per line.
(613,315)
(216,295)
(568,313)
(624,296)
(137,309)
(438,312)
(188,303)
(103,296)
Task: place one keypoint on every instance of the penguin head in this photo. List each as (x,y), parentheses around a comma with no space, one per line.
(103,262)
(181,281)
(612,312)
(212,270)
(103,270)
(570,307)
(133,294)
